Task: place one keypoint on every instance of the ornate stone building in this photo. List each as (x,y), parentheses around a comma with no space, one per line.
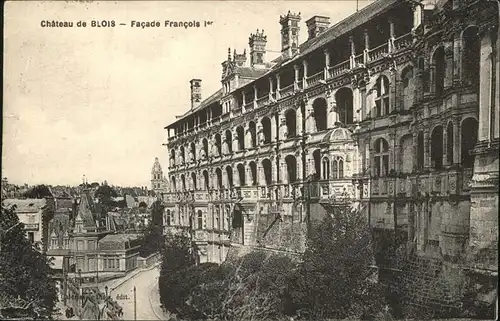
(396,106)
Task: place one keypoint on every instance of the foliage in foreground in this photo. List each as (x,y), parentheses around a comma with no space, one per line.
(153,239)
(25,274)
(334,279)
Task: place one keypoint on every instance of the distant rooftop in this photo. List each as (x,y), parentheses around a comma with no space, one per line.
(30,205)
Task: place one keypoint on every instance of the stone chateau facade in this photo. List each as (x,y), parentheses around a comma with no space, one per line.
(396,106)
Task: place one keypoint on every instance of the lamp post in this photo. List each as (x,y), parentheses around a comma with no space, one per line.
(97,264)
(135,305)
(80,290)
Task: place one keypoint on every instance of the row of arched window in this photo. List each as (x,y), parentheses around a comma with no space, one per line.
(219,220)
(337,168)
(226,177)
(443,149)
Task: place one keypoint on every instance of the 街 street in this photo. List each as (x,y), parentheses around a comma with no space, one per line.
(147,303)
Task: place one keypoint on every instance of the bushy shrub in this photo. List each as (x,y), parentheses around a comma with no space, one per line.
(335,278)
(176,259)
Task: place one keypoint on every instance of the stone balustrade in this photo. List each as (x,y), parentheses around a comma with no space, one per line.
(378,52)
(286,91)
(314,79)
(339,69)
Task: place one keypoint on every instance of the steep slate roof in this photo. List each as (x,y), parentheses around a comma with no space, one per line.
(85,212)
(59,226)
(207,102)
(64,204)
(30,205)
(351,22)
(249,72)
(118,241)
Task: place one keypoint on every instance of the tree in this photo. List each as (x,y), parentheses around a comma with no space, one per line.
(153,239)
(104,194)
(250,288)
(177,257)
(39,191)
(335,279)
(157,213)
(25,274)
(94,185)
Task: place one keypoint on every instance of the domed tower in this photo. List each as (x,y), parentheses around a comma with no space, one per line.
(156,176)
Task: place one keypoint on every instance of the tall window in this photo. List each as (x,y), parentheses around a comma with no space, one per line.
(183,180)
(338,168)
(439,64)
(362,97)
(172,155)
(168,218)
(229,141)
(469,139)
(253,134)
(291,123)
(200,220)
(229,173)
(253,171)
(266,129)
(218,144)
(420,151)
(291,166)
(240,132)
(471,57)
(437,147)
(205,148)
(174,185)
(408,91)
(320,114)
(449,143)
(326,168)
(183,155)
(193,181)
(218,173)
(381,157)
(382,96)
(344,99)
(317,163)
(241,174)
(267,167)
(205,180)
(193,152)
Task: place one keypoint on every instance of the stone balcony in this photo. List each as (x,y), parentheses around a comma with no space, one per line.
(436,183)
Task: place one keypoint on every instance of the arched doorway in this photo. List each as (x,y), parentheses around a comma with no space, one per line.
(320,114)
(291,123)
(291,166)
(344,99)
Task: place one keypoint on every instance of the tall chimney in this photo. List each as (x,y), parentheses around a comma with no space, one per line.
(289,34)
(257,42)
(317,25)
(195,93)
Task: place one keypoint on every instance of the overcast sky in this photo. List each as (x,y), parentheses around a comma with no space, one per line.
(94,101)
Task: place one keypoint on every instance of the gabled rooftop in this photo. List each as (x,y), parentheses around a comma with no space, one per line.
(26,205)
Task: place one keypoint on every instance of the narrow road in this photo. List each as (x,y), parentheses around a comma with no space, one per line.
(147,296)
